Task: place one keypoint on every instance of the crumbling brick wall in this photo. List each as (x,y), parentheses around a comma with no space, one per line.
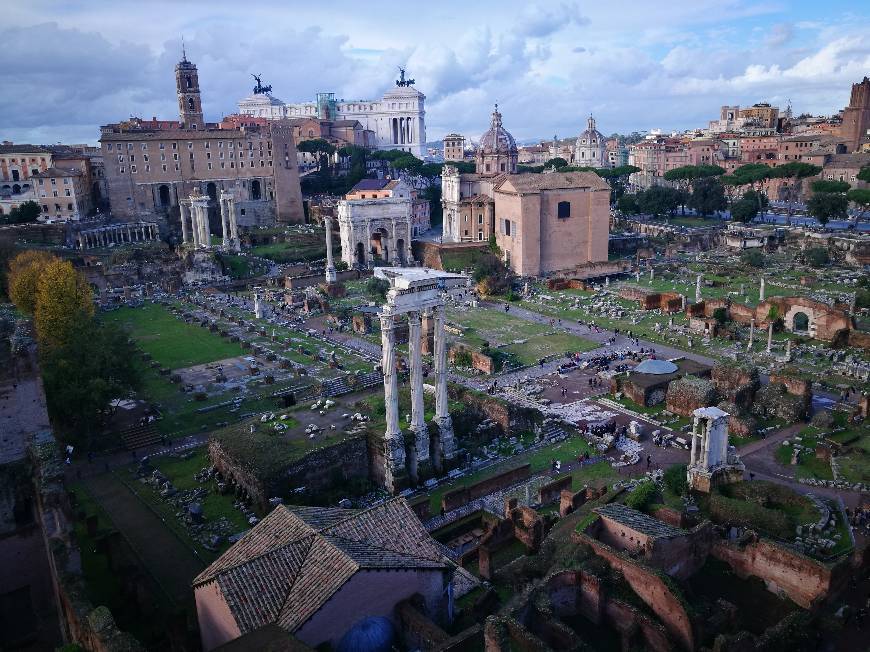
(687,394)
(463,495)
(551,492)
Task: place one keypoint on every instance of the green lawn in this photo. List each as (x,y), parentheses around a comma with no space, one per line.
(542,346)
(169,340)
(808,466)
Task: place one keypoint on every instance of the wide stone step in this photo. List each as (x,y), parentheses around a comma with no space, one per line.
(140,436)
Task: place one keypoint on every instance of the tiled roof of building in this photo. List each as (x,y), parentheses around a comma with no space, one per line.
(57,172)
(638,521)
(23,148)
(531,182)
(297,558)
(374,184)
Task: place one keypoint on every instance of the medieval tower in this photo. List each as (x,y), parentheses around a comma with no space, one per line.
(189,101)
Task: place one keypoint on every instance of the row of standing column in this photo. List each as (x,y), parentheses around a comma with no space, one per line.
(195,225)
(394,445)
(120,234)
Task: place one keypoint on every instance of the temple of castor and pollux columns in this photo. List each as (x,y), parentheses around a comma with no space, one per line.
(418,293)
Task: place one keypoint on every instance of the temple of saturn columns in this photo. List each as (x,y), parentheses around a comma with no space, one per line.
(415,292)
(124,233)
(194,222)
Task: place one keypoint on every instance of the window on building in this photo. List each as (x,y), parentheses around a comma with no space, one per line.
(487,167)
(164,167)
(109,147)
(207,145)
(175,157)
(144,146)
(69,207)
(67,192)
(174,145)
(189,145)
(45,208)
(480,235)
(132,168)
(57,208)
(479,218)
(563,209)
(162,146)
(507,227)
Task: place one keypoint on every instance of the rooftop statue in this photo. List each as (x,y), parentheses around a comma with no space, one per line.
(259,88)
(401,81)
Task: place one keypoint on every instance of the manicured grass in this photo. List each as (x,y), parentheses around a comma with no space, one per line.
(543,346)
(169,340)
(457,261)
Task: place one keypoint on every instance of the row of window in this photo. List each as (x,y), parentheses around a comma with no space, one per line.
(24,160)
(57,208)
(132,157)
(230,144)
(122,169)
(66,192)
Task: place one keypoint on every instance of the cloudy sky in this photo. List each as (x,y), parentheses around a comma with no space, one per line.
(635,65)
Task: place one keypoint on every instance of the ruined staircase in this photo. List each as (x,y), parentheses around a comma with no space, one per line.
(139,436)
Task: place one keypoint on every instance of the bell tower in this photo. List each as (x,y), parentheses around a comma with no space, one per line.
(187,87)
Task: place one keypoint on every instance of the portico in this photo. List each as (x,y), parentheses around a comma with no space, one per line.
(416,293)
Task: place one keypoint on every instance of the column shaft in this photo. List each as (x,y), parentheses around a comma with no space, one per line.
(418,421)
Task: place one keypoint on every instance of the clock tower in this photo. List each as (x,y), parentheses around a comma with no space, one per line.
(187,87)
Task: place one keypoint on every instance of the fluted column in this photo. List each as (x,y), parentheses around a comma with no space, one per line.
(420,467)
(447,441)
(693,458)
(331,276)
(184,207)
(225,220)
(234,225)
(769,336)
(394,445)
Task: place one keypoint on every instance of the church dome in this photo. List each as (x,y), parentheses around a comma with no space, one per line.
(497,139)
(591,137)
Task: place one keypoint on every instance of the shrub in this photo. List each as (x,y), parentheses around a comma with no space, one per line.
(720,315)
(462,359)
(751,515)
(752,257)
(675,479)
(817,256)
(642,496)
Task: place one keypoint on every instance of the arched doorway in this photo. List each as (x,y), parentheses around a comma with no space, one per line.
(256,192)
(163,195)
(378,247)
(400,252)
(211,191)
(360,255)
(16,189)
(800,322)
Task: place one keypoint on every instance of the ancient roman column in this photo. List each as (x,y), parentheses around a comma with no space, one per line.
(788,350)
(693,458)
(705,428)
(769,336)
(442,415)
(751,333)
(185,217)
(418,420)
(394,445)
(234,225)
(652,274)
(225,220)
(698,289)
(761,290)
(331,276)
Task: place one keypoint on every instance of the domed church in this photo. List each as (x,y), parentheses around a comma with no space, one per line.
(497,152)
(590,147)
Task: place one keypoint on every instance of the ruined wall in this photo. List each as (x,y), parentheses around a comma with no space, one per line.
(464,495)
(552,491)
(687,394)
(511,419)
(651,588)
(805,581)
(479,361)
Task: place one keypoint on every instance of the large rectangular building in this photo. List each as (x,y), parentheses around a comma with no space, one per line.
(150,164)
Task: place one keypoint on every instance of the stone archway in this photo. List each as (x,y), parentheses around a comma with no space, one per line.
(163,195)
(211,190)
(378,246)
(256,191)
(800,322)
(400,252)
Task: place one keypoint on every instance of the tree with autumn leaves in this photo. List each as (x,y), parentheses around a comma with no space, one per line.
(86,364)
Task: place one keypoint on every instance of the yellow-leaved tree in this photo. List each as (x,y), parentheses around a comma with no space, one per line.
(24,272)
(63,297)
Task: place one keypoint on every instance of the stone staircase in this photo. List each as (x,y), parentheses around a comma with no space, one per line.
(339,386)
(139,436)
(552,431)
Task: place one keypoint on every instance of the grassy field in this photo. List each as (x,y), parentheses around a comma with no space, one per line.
(170,341)
(808,466)
(524,341)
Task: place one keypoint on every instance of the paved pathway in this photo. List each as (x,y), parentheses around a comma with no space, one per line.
(171,562)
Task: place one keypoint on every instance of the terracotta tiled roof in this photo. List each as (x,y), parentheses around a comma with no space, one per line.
(297,558)
(530,182)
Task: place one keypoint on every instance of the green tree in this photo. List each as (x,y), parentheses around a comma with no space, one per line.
(826,185)
(85,374)
(744,210)
(432,194)
(817,256)
(628,205)
(377,288)
(22,214)
(795,172)
(861,198)
(708,196)
(492,276)
(720,315)
(753,175)
(24,272)
(825,206)
(864,174)
(659,200)
(752,258)
(674,478)
(557,163)
(63,297)
(322,148)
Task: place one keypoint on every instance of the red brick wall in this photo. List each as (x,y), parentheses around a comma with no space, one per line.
(464,495)
(804,580)
(552,491)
